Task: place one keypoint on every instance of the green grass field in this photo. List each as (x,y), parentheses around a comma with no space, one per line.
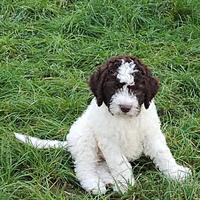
(48,48)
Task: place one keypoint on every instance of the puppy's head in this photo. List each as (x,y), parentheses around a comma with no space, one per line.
(123,83)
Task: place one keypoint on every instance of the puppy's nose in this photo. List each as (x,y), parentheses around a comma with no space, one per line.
(125,108)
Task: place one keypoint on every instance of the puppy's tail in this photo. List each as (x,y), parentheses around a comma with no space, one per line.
(40,144)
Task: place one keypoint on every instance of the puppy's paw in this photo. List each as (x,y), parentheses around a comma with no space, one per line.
(179,173)
(95,186)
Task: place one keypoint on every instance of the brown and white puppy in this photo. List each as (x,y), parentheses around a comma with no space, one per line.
(119,125)
(123,84)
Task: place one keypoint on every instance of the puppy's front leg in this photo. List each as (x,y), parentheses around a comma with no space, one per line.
(118,164)
(156,148)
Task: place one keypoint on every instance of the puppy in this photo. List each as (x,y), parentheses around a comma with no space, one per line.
(119,125)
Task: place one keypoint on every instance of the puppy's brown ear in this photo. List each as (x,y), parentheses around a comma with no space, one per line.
(96,84)
(152,85)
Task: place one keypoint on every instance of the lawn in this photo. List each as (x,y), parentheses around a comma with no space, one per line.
(48,49)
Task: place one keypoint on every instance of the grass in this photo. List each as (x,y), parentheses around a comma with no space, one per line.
(48,48)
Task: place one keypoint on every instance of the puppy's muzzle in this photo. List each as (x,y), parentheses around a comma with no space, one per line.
(125,108)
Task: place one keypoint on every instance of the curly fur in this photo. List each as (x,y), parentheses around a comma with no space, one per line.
(119,125)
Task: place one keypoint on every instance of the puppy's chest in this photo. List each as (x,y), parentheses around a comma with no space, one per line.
(127,135)
(130,142)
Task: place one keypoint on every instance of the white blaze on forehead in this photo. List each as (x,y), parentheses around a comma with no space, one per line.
(125,72)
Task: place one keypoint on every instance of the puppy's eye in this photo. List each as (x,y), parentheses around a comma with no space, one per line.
(120,85)
(132,87)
